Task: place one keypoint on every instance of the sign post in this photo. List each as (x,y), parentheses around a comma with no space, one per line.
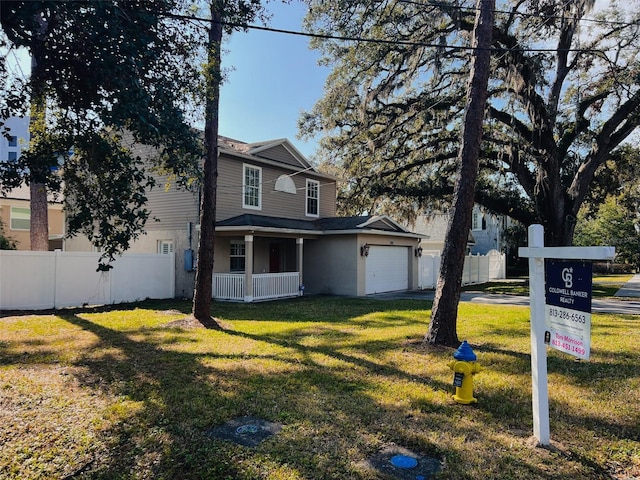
(537,253)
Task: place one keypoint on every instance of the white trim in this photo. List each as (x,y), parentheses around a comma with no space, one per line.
(317,233)
(165,247)
(308,183)
(476,220)
(241,247)
(568,253)
(269,144)
(384,219)
(245,167)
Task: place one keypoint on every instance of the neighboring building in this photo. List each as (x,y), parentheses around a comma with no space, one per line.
(14,208)
(16,218)
(276,231)
(15,140)
(487,229)
(486,233)
(434,227)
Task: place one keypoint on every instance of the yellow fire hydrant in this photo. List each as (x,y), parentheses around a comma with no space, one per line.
(464,367)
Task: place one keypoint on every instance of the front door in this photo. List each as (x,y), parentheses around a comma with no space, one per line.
(274,258)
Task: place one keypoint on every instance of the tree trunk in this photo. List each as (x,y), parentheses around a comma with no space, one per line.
(442,328)
(39,227)
(39,223)
(202,297)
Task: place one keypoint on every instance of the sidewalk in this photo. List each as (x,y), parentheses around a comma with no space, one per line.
(621,303)
(631,288)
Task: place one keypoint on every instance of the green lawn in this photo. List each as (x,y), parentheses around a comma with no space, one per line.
(124,394)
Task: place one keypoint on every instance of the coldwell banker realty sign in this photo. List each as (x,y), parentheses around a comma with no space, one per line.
(568,306)
(560,300)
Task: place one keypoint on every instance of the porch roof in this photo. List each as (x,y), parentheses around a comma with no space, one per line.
(322,226)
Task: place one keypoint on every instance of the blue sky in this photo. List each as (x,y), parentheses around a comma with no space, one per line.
(275,76)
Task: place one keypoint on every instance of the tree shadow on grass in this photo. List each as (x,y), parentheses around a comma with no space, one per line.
(164,400)
(175,396)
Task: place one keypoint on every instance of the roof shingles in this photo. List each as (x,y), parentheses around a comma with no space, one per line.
(319,225)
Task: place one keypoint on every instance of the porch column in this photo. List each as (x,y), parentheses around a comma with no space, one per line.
(248,268)
(299,259)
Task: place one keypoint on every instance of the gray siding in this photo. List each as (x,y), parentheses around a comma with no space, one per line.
(280,154)
(274,203)
(171,208)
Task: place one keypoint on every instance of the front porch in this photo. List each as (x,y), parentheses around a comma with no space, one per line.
(263,286)
(258,267)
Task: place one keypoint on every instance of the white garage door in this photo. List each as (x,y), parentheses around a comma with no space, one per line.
(387,269)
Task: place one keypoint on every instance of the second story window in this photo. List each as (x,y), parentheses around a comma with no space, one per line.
(20,218)
(252,187)
(313,198)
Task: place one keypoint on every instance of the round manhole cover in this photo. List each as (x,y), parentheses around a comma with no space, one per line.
(404,461)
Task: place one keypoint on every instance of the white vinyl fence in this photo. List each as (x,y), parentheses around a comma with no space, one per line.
(43,280)
(477,269)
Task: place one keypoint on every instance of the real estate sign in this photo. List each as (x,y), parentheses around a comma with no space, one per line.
(560,294)
(568,287)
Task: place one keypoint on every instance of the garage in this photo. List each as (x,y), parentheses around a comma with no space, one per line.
(387,269)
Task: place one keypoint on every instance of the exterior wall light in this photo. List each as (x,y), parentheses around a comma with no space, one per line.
(418,252)
(364,250)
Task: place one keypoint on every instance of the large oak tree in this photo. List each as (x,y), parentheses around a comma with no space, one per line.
(563,96)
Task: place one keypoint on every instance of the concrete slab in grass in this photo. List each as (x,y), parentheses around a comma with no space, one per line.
(247,431)
(403,464)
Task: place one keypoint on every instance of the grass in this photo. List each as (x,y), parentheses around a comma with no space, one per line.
(121,393)
(603,286)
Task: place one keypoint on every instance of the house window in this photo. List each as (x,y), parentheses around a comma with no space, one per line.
(165,247)
(236,256)
(478,221)
(252,187)
(13,141)
(20,218)
(12,156)
(313,197)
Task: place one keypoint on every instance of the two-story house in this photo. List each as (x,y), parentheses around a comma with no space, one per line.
(277,233)
(15,211)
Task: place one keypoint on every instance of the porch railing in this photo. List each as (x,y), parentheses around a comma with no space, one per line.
(228,286)
(266,286)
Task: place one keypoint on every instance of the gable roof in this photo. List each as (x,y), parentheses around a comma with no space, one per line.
(281,153)
(380,224)
(279,150)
